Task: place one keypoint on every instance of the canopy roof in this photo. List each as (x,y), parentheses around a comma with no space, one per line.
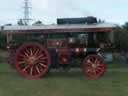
(97,27)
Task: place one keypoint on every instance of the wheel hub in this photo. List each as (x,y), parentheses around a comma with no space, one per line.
(94,66)
(32,60)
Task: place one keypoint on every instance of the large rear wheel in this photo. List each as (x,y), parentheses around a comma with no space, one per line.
(32,60)
(93,66)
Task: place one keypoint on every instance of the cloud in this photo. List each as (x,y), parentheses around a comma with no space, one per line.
(48,10)
(58,8)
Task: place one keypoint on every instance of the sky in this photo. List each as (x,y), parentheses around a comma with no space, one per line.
(114,11)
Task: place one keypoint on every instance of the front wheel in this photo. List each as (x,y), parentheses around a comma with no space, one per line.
(93,66)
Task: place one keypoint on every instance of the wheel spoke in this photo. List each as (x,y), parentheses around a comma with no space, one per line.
(42,55)
(38,70)
(43,65)
(96,61)
(36,52)
(89,62)
(31,52)
(31,70)
(39,53)
(100,65)
(21,62)
(25,68)
(99,68)
(89,70)
(27,50)
(23,56)
(26,54)
(43,58)
(95,73)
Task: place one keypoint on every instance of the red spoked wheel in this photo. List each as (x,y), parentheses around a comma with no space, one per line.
(93,66)
(32,60)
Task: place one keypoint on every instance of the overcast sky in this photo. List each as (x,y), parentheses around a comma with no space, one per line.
(115,11)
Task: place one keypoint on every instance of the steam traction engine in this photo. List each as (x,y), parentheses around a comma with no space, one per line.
(34,50)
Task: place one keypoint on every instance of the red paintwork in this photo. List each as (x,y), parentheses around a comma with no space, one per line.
(64,55)
(32,60)
(93,66)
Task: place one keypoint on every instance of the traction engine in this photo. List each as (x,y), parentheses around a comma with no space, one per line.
(34,50)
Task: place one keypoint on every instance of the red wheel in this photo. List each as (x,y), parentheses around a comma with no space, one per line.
(93,66)
(32,60)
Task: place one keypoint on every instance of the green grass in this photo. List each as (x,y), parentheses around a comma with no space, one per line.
(113,83)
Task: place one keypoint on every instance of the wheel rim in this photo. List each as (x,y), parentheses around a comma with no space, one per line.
(32,60)
(93,66)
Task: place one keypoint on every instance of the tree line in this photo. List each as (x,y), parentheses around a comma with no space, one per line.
(121,37)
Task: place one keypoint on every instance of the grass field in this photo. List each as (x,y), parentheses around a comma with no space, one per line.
(73,83)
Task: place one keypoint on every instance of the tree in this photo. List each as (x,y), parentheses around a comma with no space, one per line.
(20,22)
(101,21)
(121,36)
(125,26)
(38,23)
(2,40)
